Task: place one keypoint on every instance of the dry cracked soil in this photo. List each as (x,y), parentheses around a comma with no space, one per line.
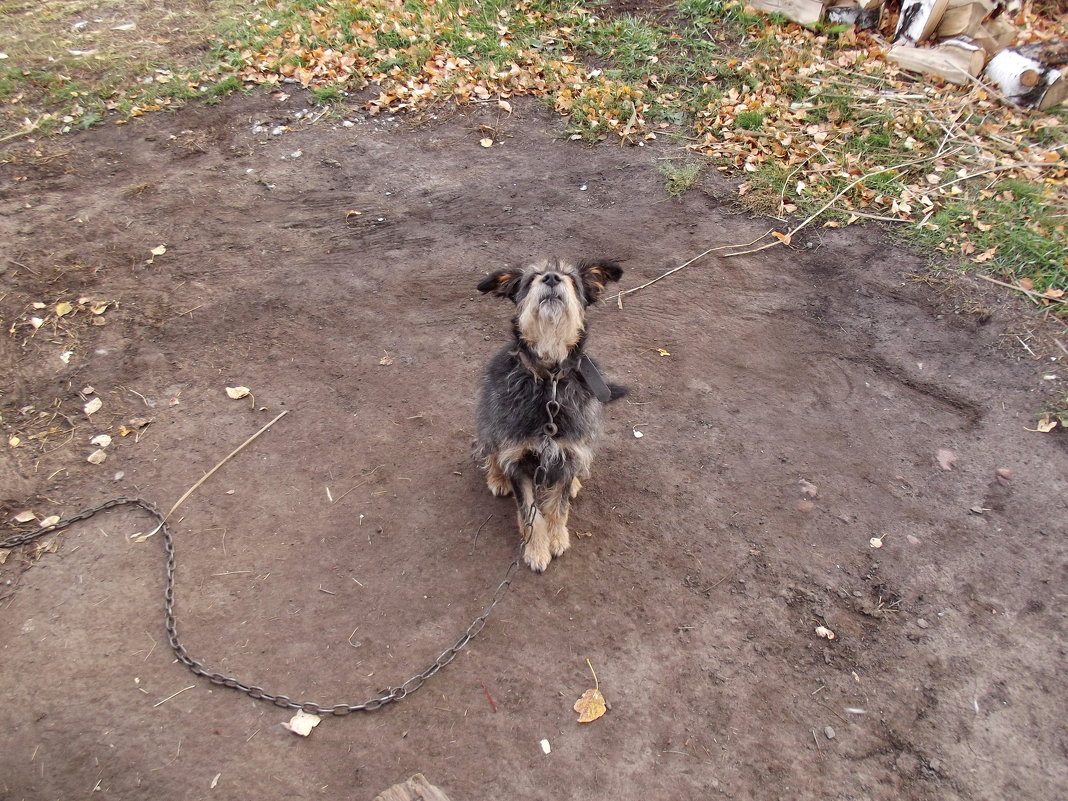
(793,404)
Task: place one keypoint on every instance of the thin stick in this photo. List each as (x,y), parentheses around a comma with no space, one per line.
(596,684)
(211,472)
(169,697)
(489,697)
(619,295)
(816,740)
(1029,292)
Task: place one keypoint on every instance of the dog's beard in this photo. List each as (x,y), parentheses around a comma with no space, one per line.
(551,321)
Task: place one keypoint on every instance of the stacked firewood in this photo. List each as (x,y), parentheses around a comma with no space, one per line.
(961,41)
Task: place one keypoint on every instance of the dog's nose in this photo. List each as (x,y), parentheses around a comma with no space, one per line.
(551,279)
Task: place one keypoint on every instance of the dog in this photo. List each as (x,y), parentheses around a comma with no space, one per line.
(540,400)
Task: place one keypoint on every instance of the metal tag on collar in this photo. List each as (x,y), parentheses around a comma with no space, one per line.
(588,370)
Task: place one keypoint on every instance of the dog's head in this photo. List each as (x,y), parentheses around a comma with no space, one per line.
(551,297)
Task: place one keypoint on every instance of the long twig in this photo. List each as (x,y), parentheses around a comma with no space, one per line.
(619,295)
(1029,292)
(213,470)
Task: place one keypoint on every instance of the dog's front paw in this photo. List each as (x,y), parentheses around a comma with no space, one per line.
(560,542)
(537,556)
(502,488)
(576,487)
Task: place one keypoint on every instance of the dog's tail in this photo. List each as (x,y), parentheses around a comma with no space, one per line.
(618,391)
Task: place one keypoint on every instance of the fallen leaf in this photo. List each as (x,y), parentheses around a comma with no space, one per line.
(302,723)
(946,458)
(784,238)
(238,392)
(13,441)
(1044,426)
(97,457)
(64,308)
(504,104)
(592,704)
(65,356)
(386,360)
(25,517)
(662,352)
(93,406)
(4,554)
(50,521)
(825,632)
(486,142)
(638,434)
(101,440)
(159,250)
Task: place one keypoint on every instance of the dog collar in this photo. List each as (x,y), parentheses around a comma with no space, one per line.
(588,370)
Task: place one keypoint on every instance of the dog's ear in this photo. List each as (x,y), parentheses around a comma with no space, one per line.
(595,274)
(503,283)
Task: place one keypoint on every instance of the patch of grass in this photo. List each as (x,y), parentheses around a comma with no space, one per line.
(749,120)
(70,63)
(1022,226)
(679,179)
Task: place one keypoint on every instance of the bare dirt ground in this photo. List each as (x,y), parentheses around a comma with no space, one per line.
(798,415)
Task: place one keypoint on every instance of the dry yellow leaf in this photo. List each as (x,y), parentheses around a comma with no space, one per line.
(238,392)
(64,308)
(486,142)
(159,250)
(590,706)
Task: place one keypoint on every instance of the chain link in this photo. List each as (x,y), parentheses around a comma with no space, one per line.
(389,695)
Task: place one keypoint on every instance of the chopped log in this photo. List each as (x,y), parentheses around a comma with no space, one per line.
(953,60)
(1026,80)
(416,788)
(804,12)
(850,12)
(994,35)
(963,17)
(919,19)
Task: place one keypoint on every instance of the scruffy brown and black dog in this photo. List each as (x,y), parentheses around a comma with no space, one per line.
(540,402)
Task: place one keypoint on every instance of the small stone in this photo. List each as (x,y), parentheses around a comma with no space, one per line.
(829,732)
(1005,473)
(923,624)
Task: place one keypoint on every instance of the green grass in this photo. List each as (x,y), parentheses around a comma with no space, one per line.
(679,179)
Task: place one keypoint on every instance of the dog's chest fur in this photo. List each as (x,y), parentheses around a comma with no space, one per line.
(514,401)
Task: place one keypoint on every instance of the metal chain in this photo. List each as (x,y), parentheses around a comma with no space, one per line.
(389,695)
